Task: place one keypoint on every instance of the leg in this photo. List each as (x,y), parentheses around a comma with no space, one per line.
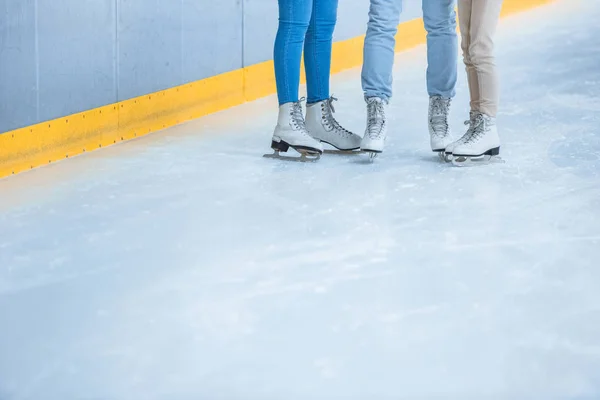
(290,131)
(317,49)
(320,122)
(484,20)
(478,20)
(442,47)
(464,17)
(294,17)
(384,17)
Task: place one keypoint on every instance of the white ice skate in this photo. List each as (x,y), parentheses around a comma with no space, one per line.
(448,152)
(291,132)
(480,145)
(322,126)
(439,129)
(375,135)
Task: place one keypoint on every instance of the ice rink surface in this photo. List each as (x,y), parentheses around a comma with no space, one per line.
(184,265)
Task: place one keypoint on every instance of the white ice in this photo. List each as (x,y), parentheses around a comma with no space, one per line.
(184,265)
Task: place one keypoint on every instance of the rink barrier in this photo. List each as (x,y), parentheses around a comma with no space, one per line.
(51,141)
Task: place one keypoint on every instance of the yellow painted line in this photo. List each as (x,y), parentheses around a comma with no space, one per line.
(514,6)
(40,144)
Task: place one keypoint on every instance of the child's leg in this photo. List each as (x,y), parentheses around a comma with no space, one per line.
(294,17)
(484,18)
(317,49)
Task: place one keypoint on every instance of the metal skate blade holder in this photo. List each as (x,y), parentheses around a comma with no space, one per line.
(372,154)
(465,161)
(444,157)
(306,155)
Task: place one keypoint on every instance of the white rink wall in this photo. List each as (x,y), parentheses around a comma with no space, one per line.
(61,57)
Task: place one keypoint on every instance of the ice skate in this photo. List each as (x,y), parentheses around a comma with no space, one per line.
(375,135)
(321,125)
(480,145)
(450,147)
(439,129)
(291,132)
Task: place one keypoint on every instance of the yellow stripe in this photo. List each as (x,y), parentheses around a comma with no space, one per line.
(65,137)
(514,6)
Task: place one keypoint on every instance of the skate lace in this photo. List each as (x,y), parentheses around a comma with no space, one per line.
(476,129)
(329,120)
(297,117)
(438,116)
(375,117)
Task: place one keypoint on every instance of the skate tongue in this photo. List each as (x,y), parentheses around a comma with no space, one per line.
(371,100)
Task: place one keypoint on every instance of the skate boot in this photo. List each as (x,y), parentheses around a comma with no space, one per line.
(322,126)
(376,132)
(481,143)
(439,129)
(291,132)
(448,151)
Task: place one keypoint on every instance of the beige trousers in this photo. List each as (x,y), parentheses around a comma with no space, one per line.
(478,21)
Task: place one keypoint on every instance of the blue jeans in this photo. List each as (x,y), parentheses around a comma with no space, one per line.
(308,24)
(442,47)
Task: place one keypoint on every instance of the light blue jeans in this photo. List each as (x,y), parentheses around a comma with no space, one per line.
(442,47)
(307,24)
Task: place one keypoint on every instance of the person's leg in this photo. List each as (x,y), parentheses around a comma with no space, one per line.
(290,131)
(379,48)
(479,19)
(442,69)
(317,49)
(378,64)
(442,47)
(294,18)
(464,17)
(320,121)
(485,15)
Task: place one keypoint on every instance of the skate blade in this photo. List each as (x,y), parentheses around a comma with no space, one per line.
(445,158)
(372,154)
(342,152)
(337,151)
(304,157)
(464,161)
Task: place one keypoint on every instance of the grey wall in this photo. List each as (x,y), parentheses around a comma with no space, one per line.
(59,57)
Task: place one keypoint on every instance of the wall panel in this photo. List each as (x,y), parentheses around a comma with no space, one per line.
(211,37)
(18,87)
(149,46)
(76,45)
